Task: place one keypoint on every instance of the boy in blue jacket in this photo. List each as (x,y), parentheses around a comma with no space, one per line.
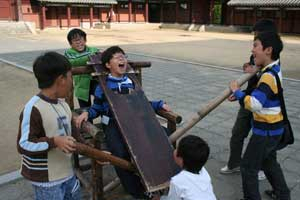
(114,59)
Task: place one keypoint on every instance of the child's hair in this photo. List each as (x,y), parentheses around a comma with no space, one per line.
(265,25)
(74,33)
(194,151)
(48,67)
(271,39)
(107,55)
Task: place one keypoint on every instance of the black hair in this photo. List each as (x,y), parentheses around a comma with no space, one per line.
(74,33)
(194,151)
(271,39)
(107,55)
(265,25)
(48,67)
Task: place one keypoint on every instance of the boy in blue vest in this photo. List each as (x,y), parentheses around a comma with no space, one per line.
(267,129)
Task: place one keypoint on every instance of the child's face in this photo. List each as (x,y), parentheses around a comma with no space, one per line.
(78,43)
(117,65)
(262,57)
(64,85)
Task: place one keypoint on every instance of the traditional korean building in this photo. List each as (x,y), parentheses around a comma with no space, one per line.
(285,13)
(76,13)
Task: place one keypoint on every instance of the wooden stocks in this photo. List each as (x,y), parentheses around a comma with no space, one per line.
(203,111)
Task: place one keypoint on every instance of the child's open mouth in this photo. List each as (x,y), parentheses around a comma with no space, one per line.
(121,65)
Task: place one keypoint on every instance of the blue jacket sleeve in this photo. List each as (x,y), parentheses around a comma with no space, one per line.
(99,106)
(157,105)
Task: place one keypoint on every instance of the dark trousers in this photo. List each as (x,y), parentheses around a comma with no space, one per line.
(261,154)
(240,131)
(130,181)
(85,104)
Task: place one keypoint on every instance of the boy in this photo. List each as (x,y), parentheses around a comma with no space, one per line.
(267,129)
(193,182)
(242,125)
(115,61)
(78,55)
(44,138)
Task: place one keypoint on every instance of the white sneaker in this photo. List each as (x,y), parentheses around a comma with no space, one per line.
(226,170)
(261,175)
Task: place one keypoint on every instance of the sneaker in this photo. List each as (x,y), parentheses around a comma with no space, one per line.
(261,175)
(271,194)
(226,170)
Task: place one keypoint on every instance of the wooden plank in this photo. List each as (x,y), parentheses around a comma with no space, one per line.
(146,140)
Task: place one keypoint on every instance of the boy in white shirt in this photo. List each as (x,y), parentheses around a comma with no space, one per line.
(193,182)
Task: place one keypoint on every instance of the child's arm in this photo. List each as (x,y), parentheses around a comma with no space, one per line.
(79,59)
(258,97)
(32,139)
(158,105)
(100,106)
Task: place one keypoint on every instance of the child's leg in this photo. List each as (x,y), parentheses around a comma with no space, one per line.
(72,189)
(130,181)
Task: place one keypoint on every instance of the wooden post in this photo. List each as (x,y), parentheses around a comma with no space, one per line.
(191,12)
(232,16)
(19,10)
(254,15)
(130,10)
(97,171)
(161,11)
(43,25)
(280,20)
(176,11)
(69,15)
(147,11)
(203,111)
(91,16)
(211,11)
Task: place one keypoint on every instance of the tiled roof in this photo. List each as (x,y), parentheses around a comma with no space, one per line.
(265,3)
(81,1)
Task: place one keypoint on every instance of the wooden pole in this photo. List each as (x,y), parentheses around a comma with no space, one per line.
(203,111)
(88,151)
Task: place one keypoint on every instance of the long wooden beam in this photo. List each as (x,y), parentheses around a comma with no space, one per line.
(91,152)
(203,111)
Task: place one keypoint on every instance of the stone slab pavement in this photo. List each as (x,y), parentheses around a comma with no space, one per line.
(184,86)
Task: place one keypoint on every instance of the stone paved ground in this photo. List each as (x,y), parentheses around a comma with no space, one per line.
(185,87)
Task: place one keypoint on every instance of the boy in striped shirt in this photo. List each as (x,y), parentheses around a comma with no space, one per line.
(267,126)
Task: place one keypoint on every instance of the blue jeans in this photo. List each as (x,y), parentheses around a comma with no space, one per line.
(69,190)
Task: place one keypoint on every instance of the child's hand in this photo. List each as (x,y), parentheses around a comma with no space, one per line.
(166,107)
(83,117)
(234,86)
(249,68)
(65,143)
(231,98)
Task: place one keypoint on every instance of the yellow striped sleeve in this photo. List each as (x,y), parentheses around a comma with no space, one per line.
(269,79)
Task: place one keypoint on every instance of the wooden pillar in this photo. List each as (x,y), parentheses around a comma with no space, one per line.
(117,13)
(254,15)
(161,11)
(130,10)
(69,15)
(43,21)
(91,16)
(211,11)
(191,12)
(280,20)
(176,11)
(147,11)
(19,10)
(232,16)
